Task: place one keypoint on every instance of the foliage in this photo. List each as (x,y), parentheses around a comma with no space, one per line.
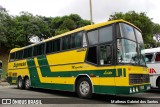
(156,33)
(16,31)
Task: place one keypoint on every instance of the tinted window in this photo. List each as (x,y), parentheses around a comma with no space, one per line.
(127,31)
(93,37)
(148,57)
(56,45)
(105,34)
(105,55)
(76,40)
(38,50)
(66,43)
(53,46)
(12,56)
(157,57)
(49,47)
(139,36)
(19,55)
(27,53)
(92,55)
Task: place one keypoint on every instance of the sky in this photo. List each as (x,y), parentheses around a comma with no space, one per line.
(102,9)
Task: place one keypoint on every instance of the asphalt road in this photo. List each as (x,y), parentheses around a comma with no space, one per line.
(71,99)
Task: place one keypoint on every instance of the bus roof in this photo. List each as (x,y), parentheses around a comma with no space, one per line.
(152,50)
(86,28)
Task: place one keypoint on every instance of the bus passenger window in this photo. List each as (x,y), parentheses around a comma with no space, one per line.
(76,40)
(105,34)
(157,57)
(12,56)
(93,37)
(38,50)
(105,55)
(27,53)
(66,42)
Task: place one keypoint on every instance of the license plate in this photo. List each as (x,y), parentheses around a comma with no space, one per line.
(142,87)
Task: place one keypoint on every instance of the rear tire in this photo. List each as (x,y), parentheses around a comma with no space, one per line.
(84,88)
(27,83)
(20,83)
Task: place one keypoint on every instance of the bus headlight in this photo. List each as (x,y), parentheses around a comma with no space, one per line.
(136,89)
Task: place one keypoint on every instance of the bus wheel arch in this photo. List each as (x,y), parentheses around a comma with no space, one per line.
(84,79)
(158,82)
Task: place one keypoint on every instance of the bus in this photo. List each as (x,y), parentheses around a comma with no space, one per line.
(103,58)
(0,69)
(152,57)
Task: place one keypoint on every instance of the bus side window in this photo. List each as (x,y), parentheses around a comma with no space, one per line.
(148,57)
(157,57)
(105,55)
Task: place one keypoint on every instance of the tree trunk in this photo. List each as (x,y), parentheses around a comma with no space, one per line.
(4,54)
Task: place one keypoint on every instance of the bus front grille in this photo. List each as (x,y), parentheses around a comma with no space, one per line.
(138,78)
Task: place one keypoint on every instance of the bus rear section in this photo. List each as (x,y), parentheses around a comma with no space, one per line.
(152,57)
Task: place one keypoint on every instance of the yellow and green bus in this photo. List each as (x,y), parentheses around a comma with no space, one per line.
(103,58)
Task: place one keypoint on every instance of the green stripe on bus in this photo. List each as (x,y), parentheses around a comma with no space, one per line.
(46,71)
(124,72)
(35,81)
(119,72)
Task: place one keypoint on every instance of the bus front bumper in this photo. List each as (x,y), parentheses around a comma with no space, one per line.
(133,89)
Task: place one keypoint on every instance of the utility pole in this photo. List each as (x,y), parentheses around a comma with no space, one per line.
(91,18)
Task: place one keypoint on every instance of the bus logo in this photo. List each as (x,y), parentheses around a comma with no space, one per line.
(151,70)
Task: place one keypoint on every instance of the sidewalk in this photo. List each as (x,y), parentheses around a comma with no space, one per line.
(4,83)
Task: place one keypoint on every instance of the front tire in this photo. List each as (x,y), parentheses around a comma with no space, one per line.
(84,88)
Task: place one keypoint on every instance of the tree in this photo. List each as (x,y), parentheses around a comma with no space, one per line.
(141,20)
(16,31)
(156,32)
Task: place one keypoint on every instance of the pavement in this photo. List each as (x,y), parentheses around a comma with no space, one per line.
(4,84)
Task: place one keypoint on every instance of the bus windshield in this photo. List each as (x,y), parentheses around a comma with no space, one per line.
(128,49)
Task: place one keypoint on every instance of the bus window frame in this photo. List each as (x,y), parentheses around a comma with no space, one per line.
(110,43)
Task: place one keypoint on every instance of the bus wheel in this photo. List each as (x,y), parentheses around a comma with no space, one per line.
(84,88)
(20,83)
(27,83)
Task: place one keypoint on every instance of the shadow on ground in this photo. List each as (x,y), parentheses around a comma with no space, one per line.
(72,97)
